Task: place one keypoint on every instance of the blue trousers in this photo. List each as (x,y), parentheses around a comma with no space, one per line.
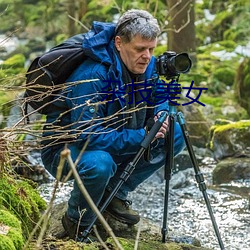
(100,170)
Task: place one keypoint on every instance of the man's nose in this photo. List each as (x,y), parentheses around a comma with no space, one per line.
(146,54)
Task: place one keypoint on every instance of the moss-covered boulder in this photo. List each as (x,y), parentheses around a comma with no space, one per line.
(22,200)
(11,237)
(232,139)
(231,169)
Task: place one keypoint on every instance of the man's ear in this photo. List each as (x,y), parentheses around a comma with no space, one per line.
(118,42)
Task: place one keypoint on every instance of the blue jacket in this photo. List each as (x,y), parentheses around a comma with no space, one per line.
(91,116)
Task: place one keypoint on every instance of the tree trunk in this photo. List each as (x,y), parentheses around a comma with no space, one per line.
(181,27)
(71,6)
(83,7)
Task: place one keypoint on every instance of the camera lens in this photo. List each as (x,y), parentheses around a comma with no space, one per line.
(182,63)
(171,65)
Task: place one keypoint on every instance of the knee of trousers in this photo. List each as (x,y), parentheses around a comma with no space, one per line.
(98,165)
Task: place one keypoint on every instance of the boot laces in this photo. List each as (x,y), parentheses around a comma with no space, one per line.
(127,203)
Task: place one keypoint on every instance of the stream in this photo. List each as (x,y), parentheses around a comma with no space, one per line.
(187,212)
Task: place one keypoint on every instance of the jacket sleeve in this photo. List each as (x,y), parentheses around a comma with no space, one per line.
(88,115)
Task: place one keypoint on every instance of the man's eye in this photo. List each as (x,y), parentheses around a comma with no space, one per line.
(139,50)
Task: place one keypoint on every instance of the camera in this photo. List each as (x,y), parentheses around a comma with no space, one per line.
(171,65)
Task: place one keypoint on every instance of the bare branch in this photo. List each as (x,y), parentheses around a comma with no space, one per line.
(66,154)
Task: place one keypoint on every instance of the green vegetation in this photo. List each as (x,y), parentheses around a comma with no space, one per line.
(44,23)
(11,237)
(22,201)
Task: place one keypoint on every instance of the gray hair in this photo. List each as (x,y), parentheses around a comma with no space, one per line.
(137,22)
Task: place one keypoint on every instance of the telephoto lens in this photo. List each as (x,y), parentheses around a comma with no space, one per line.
(171,65)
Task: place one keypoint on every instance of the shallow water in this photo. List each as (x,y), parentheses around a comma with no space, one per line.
(187,212)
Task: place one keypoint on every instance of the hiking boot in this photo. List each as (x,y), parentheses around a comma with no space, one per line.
(121,211)
(75,231)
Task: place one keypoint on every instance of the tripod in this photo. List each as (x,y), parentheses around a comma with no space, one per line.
(168,169)
(169,166)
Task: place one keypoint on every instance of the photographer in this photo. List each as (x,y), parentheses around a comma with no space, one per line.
(108,116)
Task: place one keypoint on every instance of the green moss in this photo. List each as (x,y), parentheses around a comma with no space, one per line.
(6,243)
(235,125)
(16,61)
(13,239)
(219,131)
(228,45)
(128,244)
(9,219)
(16,237)
(224,75)
(22,200)
(13,71)
(215,101)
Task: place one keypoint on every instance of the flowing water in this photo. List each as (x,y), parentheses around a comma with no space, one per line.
(187,212)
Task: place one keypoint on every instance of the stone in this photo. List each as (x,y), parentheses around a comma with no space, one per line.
(230,140)
(231,169)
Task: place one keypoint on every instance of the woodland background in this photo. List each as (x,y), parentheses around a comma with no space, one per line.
(214,33)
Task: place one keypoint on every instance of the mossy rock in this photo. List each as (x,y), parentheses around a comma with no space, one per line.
(230,140)
(21,199)
(231,169)
(224,75)
(11,237)
(128,244)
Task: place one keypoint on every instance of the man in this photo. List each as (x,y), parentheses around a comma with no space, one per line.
(107,114)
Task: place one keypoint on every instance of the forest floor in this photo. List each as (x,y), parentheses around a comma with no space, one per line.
(149,238)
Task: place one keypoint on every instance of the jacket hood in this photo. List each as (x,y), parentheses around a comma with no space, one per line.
(98,42)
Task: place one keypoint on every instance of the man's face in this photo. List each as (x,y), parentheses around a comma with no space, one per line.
(137,53)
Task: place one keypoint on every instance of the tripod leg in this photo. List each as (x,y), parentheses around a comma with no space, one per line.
(199,176)
(129,169)
(168,173)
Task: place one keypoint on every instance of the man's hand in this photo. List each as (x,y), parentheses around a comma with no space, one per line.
(164,128)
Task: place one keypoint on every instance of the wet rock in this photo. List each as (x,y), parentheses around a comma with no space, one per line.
(181,179)
(232,139)
(231,169)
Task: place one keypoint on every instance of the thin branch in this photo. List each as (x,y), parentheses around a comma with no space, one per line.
(138,236)
(77,21)
(67,155)
(99,238)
